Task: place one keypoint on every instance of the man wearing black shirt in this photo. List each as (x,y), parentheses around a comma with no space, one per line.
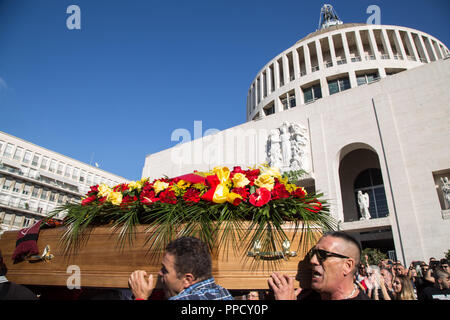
(334,261)
(441,288)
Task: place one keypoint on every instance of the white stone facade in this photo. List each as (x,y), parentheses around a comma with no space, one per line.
(35,180)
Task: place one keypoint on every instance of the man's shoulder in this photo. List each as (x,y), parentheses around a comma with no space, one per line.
(204,290)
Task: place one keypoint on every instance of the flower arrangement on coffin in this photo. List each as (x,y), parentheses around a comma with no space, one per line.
(221,207)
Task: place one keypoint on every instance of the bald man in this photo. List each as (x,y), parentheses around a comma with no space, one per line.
(334,261)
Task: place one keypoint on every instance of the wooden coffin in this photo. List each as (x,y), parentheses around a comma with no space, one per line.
(103,264)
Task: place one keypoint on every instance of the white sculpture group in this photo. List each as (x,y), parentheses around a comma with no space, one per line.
(287,147)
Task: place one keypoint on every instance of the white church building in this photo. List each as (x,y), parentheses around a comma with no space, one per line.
(362,108)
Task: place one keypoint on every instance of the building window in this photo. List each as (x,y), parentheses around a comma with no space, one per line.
(52,167)
(7,184)
(82,176)
(7,218)
(312,93)
(1,145)
(26,189)
(44,194)
(17,187)
(75,173)
(60,168)
(370,181)
(8,150)
(18,154)
(18,221)
(89,179)
(338,85)
(269,110)
(26,222)
(52,196)
(68,170)
(35,192)
(44,163)
(35,160)
(367,78)
(27,157)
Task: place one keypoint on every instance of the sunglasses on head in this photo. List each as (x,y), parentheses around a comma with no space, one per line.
(324,254)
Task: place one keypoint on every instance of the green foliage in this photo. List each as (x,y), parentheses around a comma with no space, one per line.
(294,175)
(447,254)
(374,255)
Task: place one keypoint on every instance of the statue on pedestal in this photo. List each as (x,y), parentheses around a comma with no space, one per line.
(363,203)
(446,191)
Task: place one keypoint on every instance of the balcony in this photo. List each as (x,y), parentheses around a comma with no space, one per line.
(341,61)
(315,68)
(370,57)
(47,182)
(356,59)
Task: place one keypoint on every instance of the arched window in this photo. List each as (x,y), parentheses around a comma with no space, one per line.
(371,181)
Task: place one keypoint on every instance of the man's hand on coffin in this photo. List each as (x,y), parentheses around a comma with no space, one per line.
(141,284)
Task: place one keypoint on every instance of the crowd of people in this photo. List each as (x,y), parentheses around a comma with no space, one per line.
(390,280)
(338,272)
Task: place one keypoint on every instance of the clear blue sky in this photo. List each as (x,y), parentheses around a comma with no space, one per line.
(137,70)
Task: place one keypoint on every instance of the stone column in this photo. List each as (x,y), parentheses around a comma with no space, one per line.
(399,44)
(332,51)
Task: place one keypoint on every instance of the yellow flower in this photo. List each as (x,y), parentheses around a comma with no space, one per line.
(290,187)
(265,181)
(115,198)
(183,184)
(160,186)
(240,180)
(273,172)
(136,185)
(104,190)
(284,181)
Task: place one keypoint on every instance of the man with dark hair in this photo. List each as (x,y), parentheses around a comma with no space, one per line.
(186,274)
(334,262)
(10,290)
(443,264)
(441,288)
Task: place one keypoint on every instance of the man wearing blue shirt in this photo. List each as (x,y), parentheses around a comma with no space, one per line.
(186,274)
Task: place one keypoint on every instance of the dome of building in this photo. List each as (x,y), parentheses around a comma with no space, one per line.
(336,58)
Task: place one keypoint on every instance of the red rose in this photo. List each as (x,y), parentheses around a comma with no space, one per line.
(252,175)
(148,196)
(192,195)
(260,197)
(168,196)
(121,187)
(94,189)
(279,192)
(88,200)
(299,193)
(128,200)
(243,192)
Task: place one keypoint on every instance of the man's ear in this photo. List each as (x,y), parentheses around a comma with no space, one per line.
(188,280)
(349,266)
